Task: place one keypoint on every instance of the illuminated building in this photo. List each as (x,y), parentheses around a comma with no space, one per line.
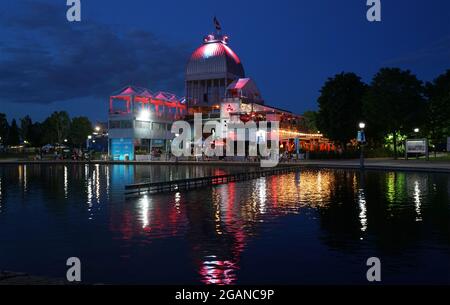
(216,86)
(211,69)
(140,122)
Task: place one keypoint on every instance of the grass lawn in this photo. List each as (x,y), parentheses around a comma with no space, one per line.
(443,156)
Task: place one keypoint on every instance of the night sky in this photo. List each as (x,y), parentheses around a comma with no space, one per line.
(288,47)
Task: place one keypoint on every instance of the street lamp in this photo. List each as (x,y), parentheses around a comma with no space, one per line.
(362,140)
(97,128)
(416,130)
(89,138)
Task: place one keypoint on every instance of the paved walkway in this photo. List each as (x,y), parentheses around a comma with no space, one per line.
(385,164)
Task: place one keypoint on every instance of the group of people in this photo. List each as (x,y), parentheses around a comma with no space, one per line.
(61,154)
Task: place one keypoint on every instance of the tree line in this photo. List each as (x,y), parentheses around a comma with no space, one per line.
(392,105)
(58,128)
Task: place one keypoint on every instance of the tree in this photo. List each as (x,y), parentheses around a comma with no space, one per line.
(438,108)
(340,107)
(25,127)
(4,129)
(80,128)
(36,134)
(56,127)
(310,121)
(394,103)
(14,134)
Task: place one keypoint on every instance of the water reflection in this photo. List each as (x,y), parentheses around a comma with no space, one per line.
(23,181)
(66,183)
(363,209)
(144,206)
(1,195)
(417,200)
(362,201)
(218,224)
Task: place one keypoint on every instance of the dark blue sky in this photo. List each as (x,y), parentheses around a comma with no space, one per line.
(289,47)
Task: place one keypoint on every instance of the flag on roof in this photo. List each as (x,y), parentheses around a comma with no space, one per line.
(217,24)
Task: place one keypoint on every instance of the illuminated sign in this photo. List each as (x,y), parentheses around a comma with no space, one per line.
(361,137)
(419,146)
(227,108)
(122,149)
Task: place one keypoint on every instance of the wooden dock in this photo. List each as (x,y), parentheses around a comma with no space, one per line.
(194,183)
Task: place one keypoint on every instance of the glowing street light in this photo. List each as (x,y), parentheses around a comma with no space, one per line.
(362,140)
(416,130)
(89,137)
(97,128)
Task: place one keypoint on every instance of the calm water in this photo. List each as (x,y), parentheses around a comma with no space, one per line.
(311,227)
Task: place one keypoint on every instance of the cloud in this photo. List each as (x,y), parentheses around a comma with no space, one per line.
(45,59)
(437,50)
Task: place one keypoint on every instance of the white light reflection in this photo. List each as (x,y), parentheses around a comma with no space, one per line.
(88,190)
(107,181)
(25,179)
(417,202)
(144,205)
(66,185)
(97,182)
(177,202)
(362,209)
(262,194)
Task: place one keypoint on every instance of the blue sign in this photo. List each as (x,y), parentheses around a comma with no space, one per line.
(361,137)
(297,146)
(156,142)
(122,149)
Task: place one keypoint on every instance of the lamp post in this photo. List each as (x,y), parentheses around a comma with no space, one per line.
(89,138)
(416,136)
(362,140)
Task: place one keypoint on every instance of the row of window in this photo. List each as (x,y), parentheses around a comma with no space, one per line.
(139,124)
(120,124)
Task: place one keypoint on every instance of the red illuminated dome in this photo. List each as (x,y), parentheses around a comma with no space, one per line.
(214,60)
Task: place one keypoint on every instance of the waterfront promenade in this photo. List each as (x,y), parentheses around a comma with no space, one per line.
(370,164)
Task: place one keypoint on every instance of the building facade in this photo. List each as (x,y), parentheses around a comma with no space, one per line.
(210,70)
(140,123)
(216,86)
